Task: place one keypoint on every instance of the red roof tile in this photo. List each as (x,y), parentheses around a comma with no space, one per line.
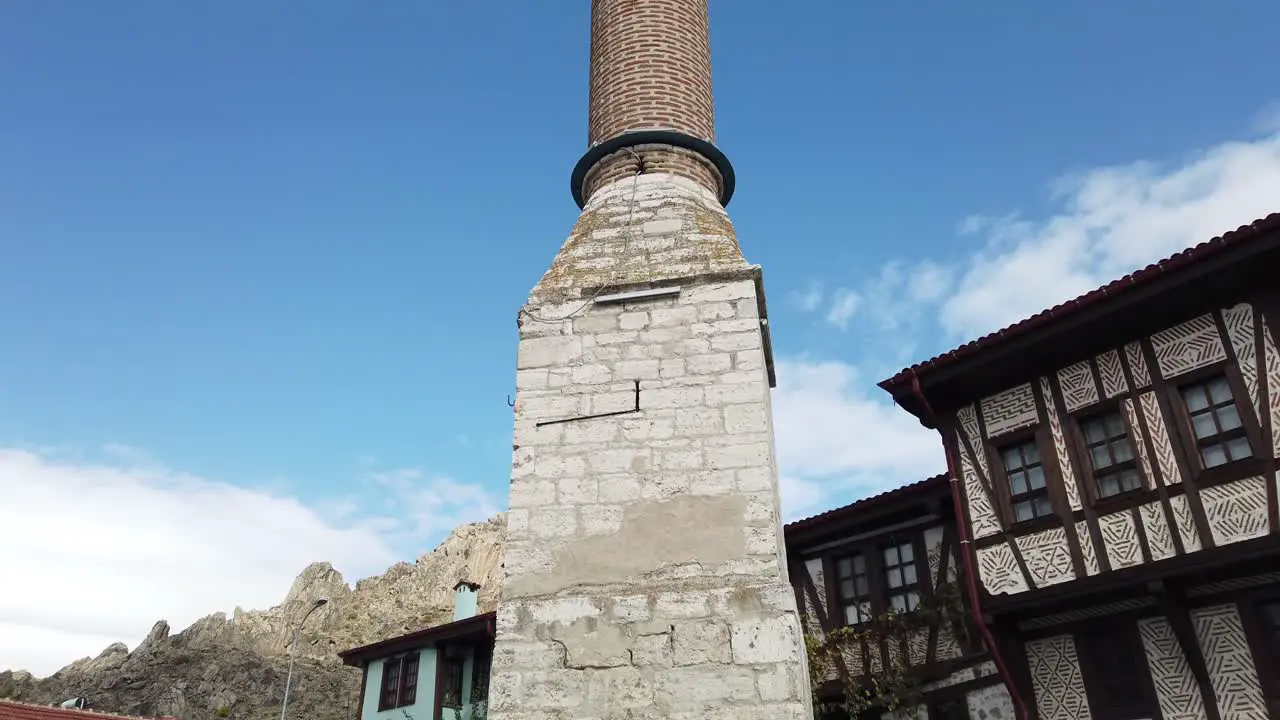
(1200,252)
(864,504)
(12,710)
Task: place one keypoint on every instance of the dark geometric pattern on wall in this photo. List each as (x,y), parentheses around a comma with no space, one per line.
(1236,511)
(1078,388)
(1186,523)
(1189,346)
(1087,552)
(1138,365)
(1165,458)
(1139,437)
(1231,670)
(968,417)
(982,518)
(1047,556)
(1055,675)
(1121,539)
(1112,373)
(999,570)
(1239,323)
(1176,688)
(1159,537)
(1273,388)
(1060,447)
(1009,410)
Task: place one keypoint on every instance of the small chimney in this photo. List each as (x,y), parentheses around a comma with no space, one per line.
(464,600)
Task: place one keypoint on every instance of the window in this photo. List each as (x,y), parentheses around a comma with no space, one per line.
(855,591)
(1215,421)
(1027,492)
(1111,453)
(399,682)
(1113,666)
(451,660)
(900,577)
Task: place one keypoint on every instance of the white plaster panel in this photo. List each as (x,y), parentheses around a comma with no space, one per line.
(1055,676)
(990,703)
(1149,406)
(1009,410)
(1060,447)
(1087,551)
(1111,371)
(1230,664)
(1186,523)
(999,570)
(1137,365)
(1159,536)
(1121,539)
(1047,556)
(1236,511)
(1240,328)
(1188,346)
(1176,688)
(1078,387)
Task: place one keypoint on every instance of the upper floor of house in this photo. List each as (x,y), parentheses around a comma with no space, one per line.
(439,673)
(879,587)
(1125,436)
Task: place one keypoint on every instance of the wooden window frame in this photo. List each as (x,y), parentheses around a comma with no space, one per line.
(1185,431)
(1113,406)
(1000,482)
(403,692)
(896,543)
(872,549)
(446,665)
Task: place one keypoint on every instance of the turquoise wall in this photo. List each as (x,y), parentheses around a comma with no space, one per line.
(425,702)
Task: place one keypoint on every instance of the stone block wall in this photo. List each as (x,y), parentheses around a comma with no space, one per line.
(644,565)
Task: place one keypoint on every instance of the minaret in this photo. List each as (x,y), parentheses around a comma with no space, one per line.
(645,570)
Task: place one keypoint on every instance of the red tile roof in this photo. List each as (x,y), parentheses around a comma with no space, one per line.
(865,504)
(12,710)
(1127,283)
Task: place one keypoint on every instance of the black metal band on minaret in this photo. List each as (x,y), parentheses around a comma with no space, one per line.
(635,138)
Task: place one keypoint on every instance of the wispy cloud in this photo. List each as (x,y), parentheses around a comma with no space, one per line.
(844,304)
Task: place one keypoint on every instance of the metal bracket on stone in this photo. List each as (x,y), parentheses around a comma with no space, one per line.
(635,409)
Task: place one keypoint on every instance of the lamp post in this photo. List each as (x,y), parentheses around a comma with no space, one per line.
(293,646)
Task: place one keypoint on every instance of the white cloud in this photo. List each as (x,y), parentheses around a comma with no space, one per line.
(1110,221)
(810,299)
(96,551)
(844,304)
(839,441)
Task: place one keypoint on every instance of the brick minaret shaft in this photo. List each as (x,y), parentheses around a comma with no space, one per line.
(651,86)
(644,568)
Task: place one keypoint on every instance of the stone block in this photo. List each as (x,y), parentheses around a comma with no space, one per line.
(532,379)
(700,642)
(718,292)
(735,393)
(531,493)
(619,488)
(552,466)
(749,455)
(736,341)
(756,479)
(537,352)
(708,364)
(591,375)
(552,689)
(652,649)
(617,689)
(631,459)
(778,684)
(553,522)
(746,418)
(688,605)
(712,482)
(764,640)
(633,320)
(563,611)
(671,367)
(674,316)
(578,490)
(590,431)
(702,688)
(599,519)
(636,370)
(531,655)
(711,311)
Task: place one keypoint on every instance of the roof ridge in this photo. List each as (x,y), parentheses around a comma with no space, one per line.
(55,710)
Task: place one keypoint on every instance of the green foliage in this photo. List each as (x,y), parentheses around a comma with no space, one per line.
(894,685)
(223,711)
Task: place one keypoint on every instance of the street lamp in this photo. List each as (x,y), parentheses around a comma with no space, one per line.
(293,646)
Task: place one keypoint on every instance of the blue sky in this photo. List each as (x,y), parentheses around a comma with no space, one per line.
(268,258)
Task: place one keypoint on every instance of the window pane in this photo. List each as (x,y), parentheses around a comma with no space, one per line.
(1035,478)
(1031,453)
(1214,455)
(1108,486)
(1043,507)
(1204,425)
(1229,417)
(1123,450)
(1115,426)
(898,602)
(1018,483)
(913,600)
(843,567)
(846,588)
(905,552)
(895,579)
(1022,511)
(1012,459)
(909,574)
(1195,398)
(1219,390)
(1094,432)
(890,556)
(1238,448)
(853,614)
(859,565)
(1100,457)
(860,585)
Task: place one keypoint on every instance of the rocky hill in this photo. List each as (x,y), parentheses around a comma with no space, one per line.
(234,667)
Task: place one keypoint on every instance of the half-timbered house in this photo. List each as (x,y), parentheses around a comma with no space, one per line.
(879,587)
(1115,460)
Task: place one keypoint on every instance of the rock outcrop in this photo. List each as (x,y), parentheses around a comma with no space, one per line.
(234,667)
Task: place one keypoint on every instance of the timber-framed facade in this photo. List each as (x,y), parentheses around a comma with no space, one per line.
(880,587)
(1116,467)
